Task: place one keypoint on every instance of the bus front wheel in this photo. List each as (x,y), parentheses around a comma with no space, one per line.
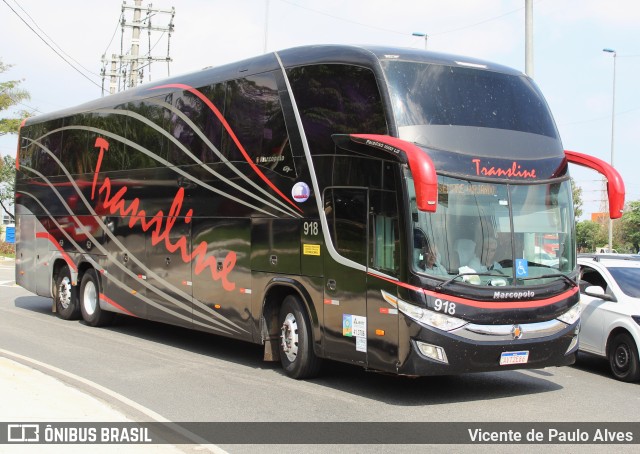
(65,296)
(90,301)
(296,349)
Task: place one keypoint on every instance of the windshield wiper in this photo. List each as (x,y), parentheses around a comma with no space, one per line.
(546,276)
(447,282)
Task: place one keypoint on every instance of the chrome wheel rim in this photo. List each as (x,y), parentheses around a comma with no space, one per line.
(64,292)
(289,337)
(90,298)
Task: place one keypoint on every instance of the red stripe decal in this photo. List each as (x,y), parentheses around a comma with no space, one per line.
(486,304)
(65,256)
(109,301)
(226,125)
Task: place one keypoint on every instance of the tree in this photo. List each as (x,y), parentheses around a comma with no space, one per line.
(7,183)
(589,235)
(10,95)
(577,199)
(631,225)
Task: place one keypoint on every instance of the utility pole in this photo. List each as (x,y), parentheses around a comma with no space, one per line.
(135,43)
(127,69)
(528,38)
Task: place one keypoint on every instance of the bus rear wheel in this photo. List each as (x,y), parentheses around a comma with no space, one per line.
(65,296)
(90,301)
(296,349)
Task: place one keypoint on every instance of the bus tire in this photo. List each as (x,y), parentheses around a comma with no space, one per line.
(623,358)
(65,295)
(90,301)
(296,349)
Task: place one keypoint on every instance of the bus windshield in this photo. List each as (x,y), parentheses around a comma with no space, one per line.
(432,94)
(494,234)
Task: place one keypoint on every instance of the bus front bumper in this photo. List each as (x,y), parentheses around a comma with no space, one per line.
(485,348)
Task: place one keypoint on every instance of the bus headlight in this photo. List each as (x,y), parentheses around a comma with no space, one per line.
(572,315)
(431,318)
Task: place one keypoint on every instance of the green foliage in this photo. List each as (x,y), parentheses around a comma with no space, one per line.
(7,183)
(590,235)
(7,249)
(630,228)
(10,95)
(577,199)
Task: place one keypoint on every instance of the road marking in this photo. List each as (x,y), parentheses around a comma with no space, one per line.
(39,365)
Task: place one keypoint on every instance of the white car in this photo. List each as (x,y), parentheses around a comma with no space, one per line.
(610,301)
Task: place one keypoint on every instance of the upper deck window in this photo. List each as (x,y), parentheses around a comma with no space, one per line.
(429,94)
(336,99)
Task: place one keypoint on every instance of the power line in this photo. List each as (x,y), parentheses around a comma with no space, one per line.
(397,32)
(345,19)
(114,33)
(51,39)
(49,45)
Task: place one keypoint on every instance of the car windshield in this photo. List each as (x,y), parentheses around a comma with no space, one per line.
(627,278)
(495,234)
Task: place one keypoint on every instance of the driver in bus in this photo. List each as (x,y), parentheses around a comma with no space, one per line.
(429,262)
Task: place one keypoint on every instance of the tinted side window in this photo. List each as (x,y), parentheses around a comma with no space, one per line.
(143,134)
(210,124)
(384,231)
(346,210)
(42,161)
(191,107)
(255,116)
(76,147)
(117,157)
(336,99)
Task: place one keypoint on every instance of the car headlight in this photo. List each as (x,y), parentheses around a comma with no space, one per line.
(431,318)
(572,315)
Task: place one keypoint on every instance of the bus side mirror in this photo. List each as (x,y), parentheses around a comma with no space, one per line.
(420,164)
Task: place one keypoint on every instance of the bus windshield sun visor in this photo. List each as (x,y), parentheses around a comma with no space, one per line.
(420,164)
(615,185)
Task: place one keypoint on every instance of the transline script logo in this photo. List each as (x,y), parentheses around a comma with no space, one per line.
(161,225)
(515,171)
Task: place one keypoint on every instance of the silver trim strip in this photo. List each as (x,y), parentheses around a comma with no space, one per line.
(113,238)
(504,332)
(143,150)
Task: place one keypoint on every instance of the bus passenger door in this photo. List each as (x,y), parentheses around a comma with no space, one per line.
(345,284)
(384,259)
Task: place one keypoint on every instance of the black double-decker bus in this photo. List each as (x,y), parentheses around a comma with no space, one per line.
(377,206)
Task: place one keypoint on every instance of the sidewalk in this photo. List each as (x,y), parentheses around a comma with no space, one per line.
(28,395)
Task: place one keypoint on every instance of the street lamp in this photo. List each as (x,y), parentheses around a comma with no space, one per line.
(613,125)
(422,35)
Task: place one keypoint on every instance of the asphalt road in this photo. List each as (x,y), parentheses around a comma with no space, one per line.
(189,376)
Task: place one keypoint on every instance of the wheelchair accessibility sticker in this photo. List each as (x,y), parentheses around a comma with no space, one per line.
(522,268)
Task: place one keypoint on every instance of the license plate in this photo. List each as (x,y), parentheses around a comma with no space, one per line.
(507,358)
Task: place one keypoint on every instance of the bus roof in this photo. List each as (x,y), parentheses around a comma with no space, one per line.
(368,56)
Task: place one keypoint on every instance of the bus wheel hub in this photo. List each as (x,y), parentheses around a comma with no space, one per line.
(289,337)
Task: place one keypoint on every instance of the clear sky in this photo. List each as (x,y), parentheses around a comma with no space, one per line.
(573,72)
